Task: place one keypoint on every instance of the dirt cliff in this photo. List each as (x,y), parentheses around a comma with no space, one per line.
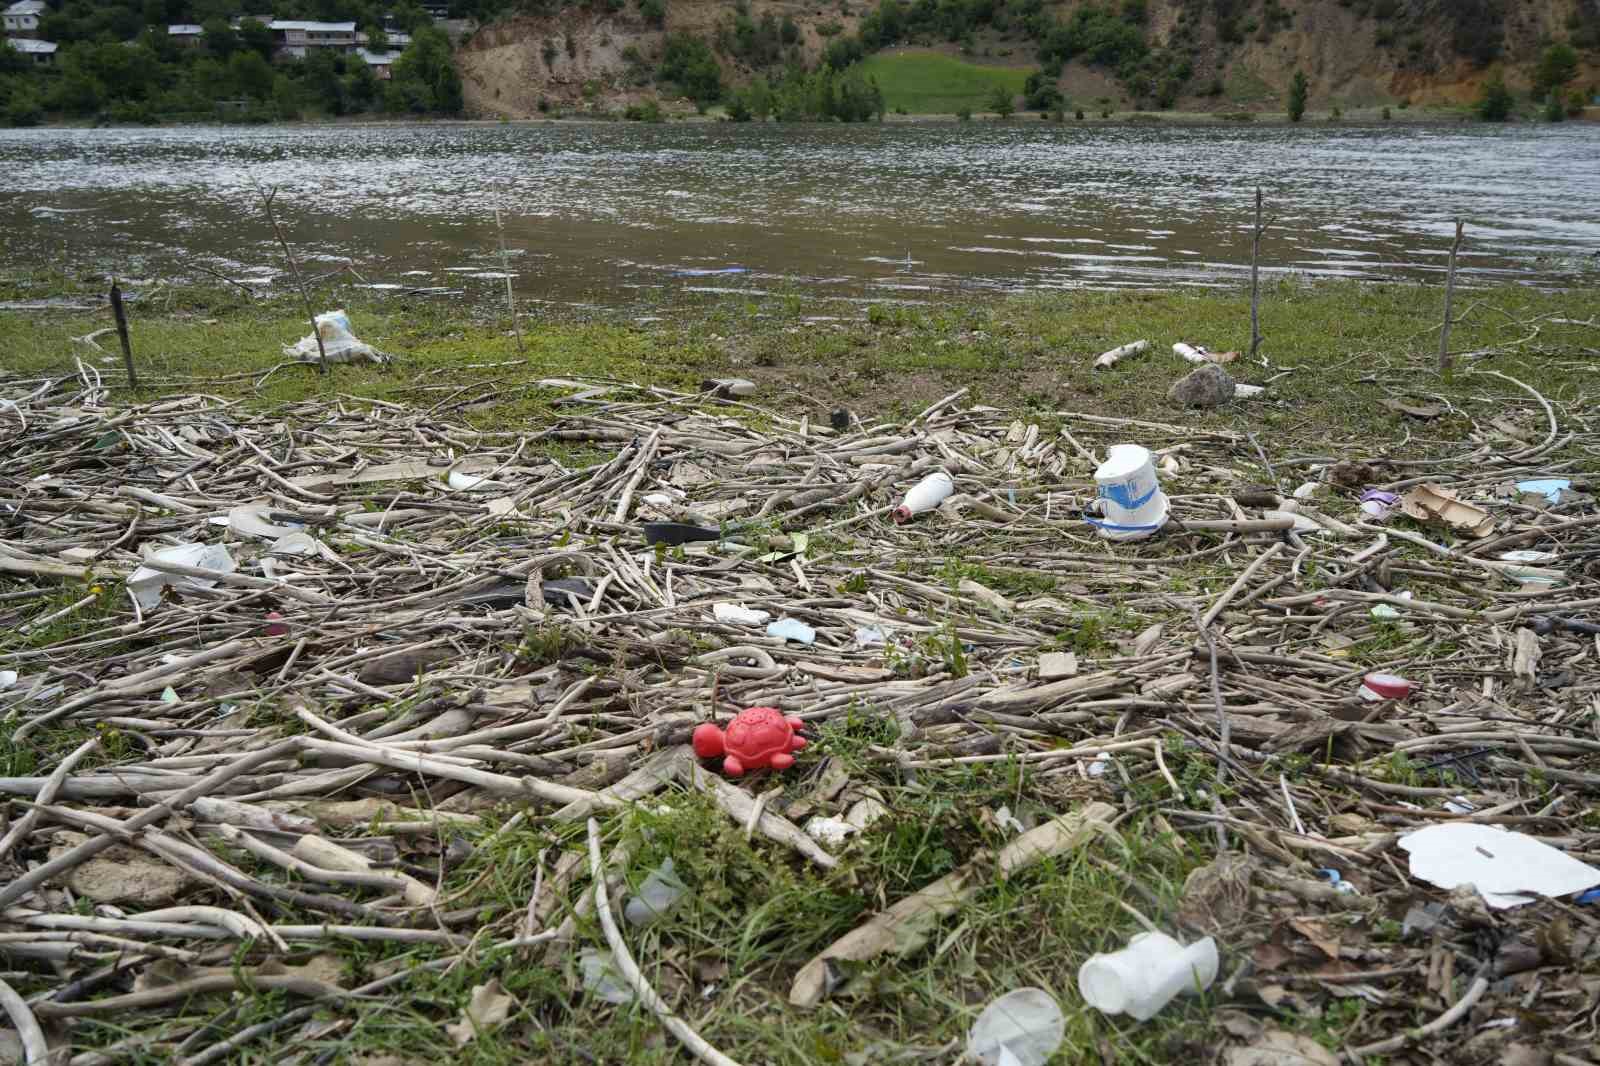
(1239,53)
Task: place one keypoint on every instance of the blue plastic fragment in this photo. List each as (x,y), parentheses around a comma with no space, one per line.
(1591,896)
(1548,487)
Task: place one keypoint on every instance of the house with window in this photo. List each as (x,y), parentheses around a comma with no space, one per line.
(380,63)
(186,35)
(295,38)
(43,53)
(21,19)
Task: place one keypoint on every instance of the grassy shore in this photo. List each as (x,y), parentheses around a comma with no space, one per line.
(1332,354)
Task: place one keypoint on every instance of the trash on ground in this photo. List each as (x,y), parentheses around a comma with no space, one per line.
(757,738)
(1381,686)
(473,483)
(792,629)
(739,614)
(488,1008)
(871,637)
(602,979)
(1510,869)
(262,522)
(925,495)
(1109,359)
(146,584)
(1435,504)
(1414,410)
(675,533)
(1144,976)
(339,342)
(1550,488)
(1055,665)
(1377,504)
(829,831)
(7,679)
(1021,1028)
(1199,353)
(659,893)
(1241,391)
(1132,505)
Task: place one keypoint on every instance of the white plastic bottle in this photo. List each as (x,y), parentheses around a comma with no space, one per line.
(1144,976)
(925,495)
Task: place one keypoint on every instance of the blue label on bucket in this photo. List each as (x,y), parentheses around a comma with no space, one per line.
(1124,494)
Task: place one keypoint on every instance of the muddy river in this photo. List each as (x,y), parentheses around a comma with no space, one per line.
(633,216)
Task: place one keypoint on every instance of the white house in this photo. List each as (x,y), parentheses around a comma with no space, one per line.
(41,52)
(21,19)
(295,37)
(185,33)
(381,63)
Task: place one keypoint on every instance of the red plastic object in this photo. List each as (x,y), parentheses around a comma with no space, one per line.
(1385,687)
(275,625)
(758,737)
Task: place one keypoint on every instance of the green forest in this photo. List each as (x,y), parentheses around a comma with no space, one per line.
(117,63)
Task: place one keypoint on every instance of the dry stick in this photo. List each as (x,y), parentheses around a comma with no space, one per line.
(1480,985)
(1449,296)
(505,268)
(35,1051)
(630,969)
(47,794)
(294,267)
(1255,281)
(121,317)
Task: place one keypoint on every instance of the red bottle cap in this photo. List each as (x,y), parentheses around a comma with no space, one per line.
(1387,686)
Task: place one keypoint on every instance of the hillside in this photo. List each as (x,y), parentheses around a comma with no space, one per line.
(1205,55)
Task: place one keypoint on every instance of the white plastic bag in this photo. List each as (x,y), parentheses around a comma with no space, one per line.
(1021,1028)
(339,343)
(146,584)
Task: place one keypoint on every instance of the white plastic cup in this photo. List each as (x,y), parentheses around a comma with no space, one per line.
(1145,976)
(1132,505)
(925,495)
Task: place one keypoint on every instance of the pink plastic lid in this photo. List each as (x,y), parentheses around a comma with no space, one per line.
(1389,686)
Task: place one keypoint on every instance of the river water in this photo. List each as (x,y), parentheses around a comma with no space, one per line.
(628,215)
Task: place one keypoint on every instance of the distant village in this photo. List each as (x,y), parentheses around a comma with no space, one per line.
(292,38)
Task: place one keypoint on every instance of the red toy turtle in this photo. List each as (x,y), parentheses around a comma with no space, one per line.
(757,737)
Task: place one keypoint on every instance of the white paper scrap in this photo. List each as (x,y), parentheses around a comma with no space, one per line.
(1509,869)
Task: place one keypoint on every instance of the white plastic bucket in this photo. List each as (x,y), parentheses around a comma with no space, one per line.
(1132,505)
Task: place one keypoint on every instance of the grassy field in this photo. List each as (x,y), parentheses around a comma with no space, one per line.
(1333,353)
(927,83)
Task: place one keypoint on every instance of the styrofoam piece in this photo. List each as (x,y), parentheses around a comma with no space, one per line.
(1509,869)
(1145,976)
(146,584)
(250,520)
(739,614)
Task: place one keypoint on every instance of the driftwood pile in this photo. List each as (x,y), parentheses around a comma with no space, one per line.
(418,621)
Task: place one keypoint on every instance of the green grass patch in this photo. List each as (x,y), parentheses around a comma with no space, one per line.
(927,83)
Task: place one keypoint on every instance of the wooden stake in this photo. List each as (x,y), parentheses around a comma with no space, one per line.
(1449,295)
(1255,281)
(294,267)
(121,316)
(505,268)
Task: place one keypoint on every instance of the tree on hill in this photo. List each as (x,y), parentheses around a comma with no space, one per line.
(1557,66)
(1299,89)
(1494,99)
(1000,102)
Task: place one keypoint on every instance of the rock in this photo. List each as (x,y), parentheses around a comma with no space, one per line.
(1206,386)
(122,875)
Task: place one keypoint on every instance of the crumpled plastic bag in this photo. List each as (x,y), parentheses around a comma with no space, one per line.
(339,342)
(146,584)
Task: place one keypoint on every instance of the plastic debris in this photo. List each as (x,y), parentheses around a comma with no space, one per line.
(658,894)
(169,696)
(1241,391)
(739,614)
(927,494)
(675,533)
(1548,487)
(1109,359)
(601,978)
(1100,764)
(757,738)
(1021,1028)
(472,482)
(1132,504)
(276,626)
(729,388)
(262,522)
(339,342)
(1380,686)
(7,679)
(1591,896)
(1509,869)
(1144,976)
(830,831)
(871,637)
(1377,504)
(792,629)
(1335,879)
(298,543)
(1431,503)
(146,584)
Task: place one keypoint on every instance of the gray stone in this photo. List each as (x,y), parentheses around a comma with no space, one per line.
(1206,386)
